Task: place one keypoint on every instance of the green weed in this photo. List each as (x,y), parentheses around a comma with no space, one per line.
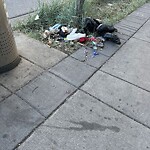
(64,12)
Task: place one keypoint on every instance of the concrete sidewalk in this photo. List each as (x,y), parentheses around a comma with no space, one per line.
(52,101)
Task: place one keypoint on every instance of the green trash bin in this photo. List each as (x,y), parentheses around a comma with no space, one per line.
(9,57)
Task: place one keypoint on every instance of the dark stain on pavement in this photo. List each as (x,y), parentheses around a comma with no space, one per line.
(5,136)
(90,126)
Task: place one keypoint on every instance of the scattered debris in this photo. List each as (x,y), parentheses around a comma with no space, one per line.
(37,17)
(102,30)
(109,4)
(112,37)
(49,42)
(75,36)
(63,36)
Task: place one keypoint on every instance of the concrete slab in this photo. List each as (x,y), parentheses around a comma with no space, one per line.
(84,123)
(122,36)
(135,19)
(37,52)
(17,7)
(141,14)
(145,8)
(110,48)
(129,24)
(123,25)
(73,71)
(96,61)
(147,5)
(17,120)
(125,30)
(131,63)
(19,76)
(121,95)
(3,93)
(144,32)
(46,92)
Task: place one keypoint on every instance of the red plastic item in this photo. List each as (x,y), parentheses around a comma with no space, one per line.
(92,39)
(83,39)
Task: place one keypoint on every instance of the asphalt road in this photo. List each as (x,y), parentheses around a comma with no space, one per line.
(17,8)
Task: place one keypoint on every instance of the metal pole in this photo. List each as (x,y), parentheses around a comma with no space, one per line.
(9,57)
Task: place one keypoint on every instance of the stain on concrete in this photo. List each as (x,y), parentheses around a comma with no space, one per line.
(5,136)
(90,126)
(19,117)
(116,119)
(53,141)
(81,105)
(107,118)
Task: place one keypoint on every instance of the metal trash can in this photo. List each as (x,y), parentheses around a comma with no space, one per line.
(9,57)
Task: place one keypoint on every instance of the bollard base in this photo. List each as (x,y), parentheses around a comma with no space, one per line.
(10,66)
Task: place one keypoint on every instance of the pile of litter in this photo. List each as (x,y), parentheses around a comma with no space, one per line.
(68,39)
